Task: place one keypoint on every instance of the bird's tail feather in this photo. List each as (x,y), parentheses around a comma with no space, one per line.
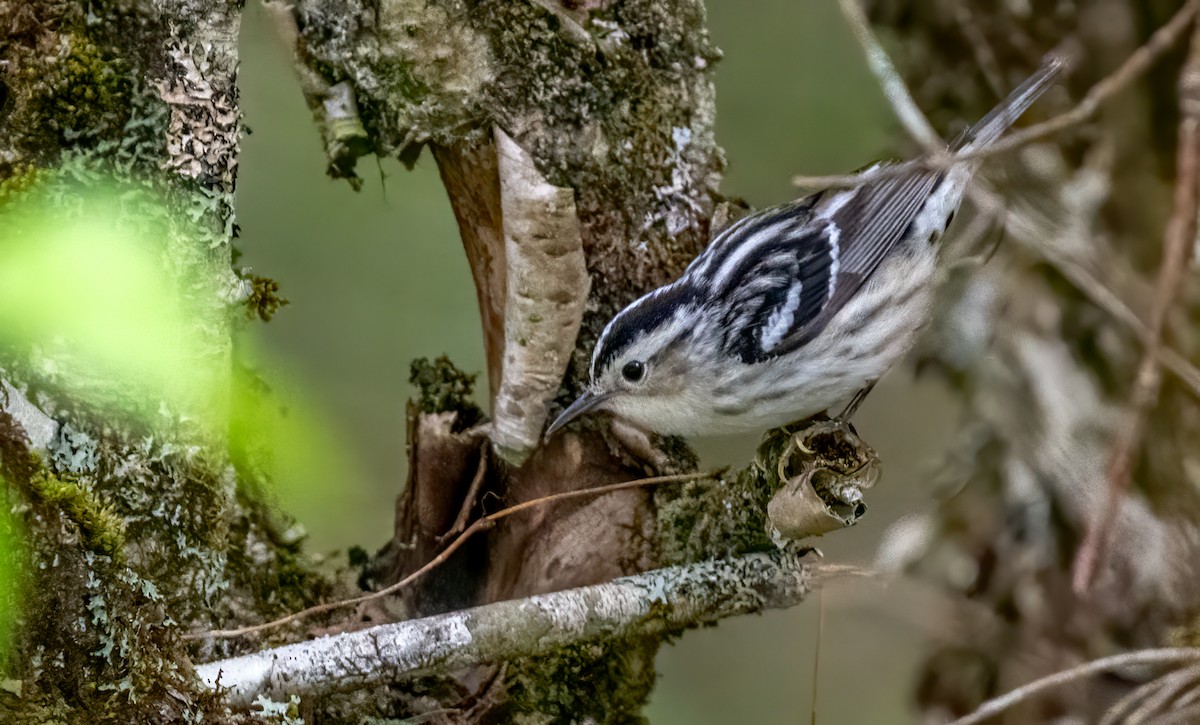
(999,119)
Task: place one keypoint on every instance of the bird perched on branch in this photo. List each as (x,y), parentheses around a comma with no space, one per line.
(794,309)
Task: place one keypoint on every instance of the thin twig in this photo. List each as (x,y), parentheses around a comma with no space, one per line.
(1134,66)
(1157,697)
(1102,296)
(481,524)
(1178,241)
(1138,62)
(816,679)
(997,705)
(906,109)
(1184,716)
(464,511)
(985,58)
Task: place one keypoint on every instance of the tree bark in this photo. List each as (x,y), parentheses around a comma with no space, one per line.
(137,521)
(575,141)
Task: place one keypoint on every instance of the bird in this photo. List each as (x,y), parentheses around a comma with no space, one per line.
(797,308)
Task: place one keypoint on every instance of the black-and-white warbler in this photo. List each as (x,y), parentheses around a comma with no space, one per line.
(793,309)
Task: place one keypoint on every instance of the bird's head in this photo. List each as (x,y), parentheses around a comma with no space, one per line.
(640,366)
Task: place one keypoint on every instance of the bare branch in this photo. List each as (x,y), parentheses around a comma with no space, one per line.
(1086,282)
(658,601)
(1138,62)
(334,107)
(1178,242)
(1157,696)
(1134,66)
(985,57)
(997,705)
(903,105)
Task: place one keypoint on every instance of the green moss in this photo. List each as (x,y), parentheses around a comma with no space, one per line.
(714,518)
(87,91)
(145,541)
(100,528)
(17,180)
(442,387)
(722,517)
(75,93)
(264,300)
(607,682)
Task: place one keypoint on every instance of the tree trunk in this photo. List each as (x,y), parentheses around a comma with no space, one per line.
(136,524)
(575,141)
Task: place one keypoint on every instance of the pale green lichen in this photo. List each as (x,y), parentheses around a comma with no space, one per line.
(133,530)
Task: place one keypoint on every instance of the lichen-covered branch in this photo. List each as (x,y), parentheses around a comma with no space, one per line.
(333,104)
(655,602)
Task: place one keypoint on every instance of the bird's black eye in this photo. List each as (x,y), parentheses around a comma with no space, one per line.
(633,371)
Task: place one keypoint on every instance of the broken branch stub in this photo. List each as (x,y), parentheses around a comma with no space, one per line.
(547,289)
(824,470)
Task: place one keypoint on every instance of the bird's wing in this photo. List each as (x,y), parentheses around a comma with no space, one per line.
(782,274)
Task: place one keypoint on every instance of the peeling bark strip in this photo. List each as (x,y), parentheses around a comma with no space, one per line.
(655,602)
(40,428)
(472,183)
(547,292)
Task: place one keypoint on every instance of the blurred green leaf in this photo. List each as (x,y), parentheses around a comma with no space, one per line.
(88,287)
(278,435)
(115,306)
(10,588)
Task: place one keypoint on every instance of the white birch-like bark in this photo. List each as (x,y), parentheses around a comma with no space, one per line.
(546,294)
(653,602)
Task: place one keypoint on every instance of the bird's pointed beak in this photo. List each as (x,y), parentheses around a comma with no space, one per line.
(584,403)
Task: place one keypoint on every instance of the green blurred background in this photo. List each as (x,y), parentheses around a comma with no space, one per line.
(377,278)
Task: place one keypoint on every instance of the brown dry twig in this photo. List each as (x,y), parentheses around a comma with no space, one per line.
(1092,287)
(997,705)
(468,503)
(1170,693)
(1178,243)
(1134,66)
(985,57)
(1138,62)
(483,523)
